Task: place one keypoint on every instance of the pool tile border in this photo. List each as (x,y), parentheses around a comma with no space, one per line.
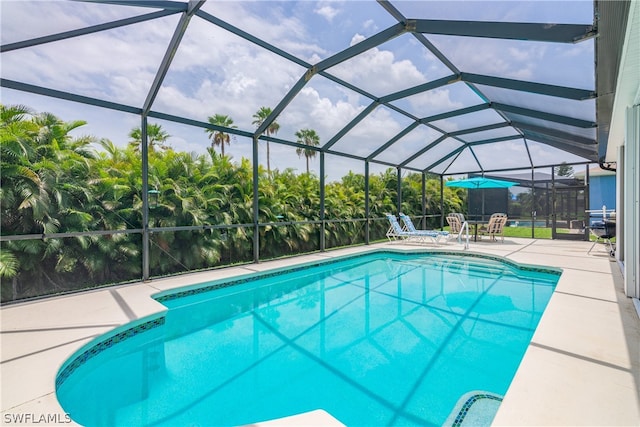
(101,346)
(224,283)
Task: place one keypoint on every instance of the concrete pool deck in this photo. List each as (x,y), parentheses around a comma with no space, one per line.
(581,368)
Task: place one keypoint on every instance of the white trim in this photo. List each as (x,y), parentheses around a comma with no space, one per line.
(631,196)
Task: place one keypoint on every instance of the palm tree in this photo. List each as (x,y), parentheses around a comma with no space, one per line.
(155,135)
(273,128)
(45,172)
(310,138)
(14,113)
(218,137)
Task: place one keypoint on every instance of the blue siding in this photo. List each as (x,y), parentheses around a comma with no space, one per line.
(602,191)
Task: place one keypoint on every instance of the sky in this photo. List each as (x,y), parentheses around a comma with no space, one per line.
(217,72)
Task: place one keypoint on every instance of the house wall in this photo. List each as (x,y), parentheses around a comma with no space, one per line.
(602,191)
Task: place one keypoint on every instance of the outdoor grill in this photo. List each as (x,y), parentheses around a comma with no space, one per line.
(604,232)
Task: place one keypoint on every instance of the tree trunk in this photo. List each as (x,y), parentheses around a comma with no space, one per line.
(268,161)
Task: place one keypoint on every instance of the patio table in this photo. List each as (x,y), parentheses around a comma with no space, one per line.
(475,225)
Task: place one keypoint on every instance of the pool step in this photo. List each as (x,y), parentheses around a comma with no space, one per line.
(476,408)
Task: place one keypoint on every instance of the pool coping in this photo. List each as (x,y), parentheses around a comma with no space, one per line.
(596,283)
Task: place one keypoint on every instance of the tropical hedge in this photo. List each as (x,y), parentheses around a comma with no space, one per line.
(53,182)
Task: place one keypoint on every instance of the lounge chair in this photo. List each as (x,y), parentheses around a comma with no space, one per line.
(495,227)
(396,232)
(408,226)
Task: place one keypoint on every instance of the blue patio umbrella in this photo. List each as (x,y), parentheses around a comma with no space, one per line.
(480,182)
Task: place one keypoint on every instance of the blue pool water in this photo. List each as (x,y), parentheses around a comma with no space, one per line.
(380,339)
(519,223)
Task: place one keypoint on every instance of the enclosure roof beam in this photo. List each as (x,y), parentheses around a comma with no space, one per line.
(524,86)
(570,138)
(423,150)
(519,168)
(234,131)
(156,4)
(492,140)
(192,8)
(580,150)
(363,46)
(544,115)
(268,121)
(555,33)
(83,31)
(453,113)
(421,38)
(198,123)
(470,145)
(590,153)
(447,156)
(479,129)
(39,90)
(379,162)
(350,125)
(421,88)
(389,143)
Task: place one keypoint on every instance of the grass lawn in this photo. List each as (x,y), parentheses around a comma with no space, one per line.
(541,233)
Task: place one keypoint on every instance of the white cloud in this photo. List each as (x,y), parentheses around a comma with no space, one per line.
(434,101)
(357,38)
(370,24)
(378,71)
(105,65)
(521,60)
(310,109)
(327,11)
(409,144)
(271,24)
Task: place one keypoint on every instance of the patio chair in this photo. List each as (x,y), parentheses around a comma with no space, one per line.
(455,221)
(395,232)
(408,226)
(495,227)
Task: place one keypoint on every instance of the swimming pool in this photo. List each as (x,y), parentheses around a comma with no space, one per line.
(378,339)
